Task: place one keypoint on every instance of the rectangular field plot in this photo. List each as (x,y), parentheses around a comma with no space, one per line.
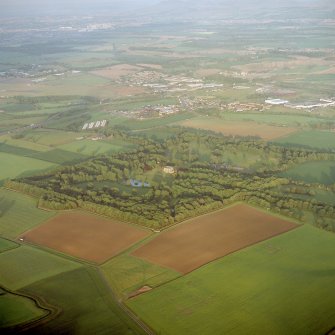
(208,237)
(281,286)
(25,265)
(86,236)
(18,213)
(238,128)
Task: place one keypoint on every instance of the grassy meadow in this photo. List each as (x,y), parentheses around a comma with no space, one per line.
(15,310)
(25,265)
(126,274)
(18,213)
(311,138)
(7,245)
(15,166)
(86,303)
(322,172)
(281,286)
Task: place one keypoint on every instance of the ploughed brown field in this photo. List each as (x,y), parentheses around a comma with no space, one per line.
(86,236)
(208,237)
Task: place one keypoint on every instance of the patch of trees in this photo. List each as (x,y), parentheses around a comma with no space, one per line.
(199,186)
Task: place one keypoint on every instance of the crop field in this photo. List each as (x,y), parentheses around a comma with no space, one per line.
(7,245)
(86,304)
(312,138)
(238,128)
(127,273)
(52,138)
(15,309)
(86,236)
(322,172)
(18,213)
(280,119)
(57,156)
(25,265)
(14,166)
(284,285)
(89,147)
(208,237)
(23,144)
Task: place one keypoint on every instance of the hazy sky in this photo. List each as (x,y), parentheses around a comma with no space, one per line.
(72,7)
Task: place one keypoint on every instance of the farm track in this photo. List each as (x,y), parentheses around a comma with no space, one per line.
(123,307)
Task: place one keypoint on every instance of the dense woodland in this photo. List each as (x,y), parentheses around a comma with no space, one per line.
(206,178)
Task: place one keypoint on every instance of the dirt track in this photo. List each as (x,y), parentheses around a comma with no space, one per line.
(86,236)
(203,239)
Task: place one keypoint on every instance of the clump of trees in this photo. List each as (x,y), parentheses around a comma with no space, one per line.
(205,180)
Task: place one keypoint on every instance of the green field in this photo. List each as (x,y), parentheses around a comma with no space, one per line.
(23,144)
(52,138)
(57,156)
(89,147)
(322,172)
(86,303)
(312,138)
(273,119)
(15,309)
(281,286)
(18,213)
(7,245)
(126,274)
(14,166)
(26,265)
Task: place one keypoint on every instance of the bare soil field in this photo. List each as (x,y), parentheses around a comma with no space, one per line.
(212,236)
(239,128)
(117,71)
(85,236)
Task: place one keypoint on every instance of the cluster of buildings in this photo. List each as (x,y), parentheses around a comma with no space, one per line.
(321,104)
(149,111)
(160,82)
(94,125)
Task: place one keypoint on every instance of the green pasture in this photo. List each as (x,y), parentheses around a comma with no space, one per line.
(325,196)
(92,148)
(311,138)
(322,172)
(15,309)
(18,213)
(284,285)
(14,166)
(7,245)
(51,138)
(86,303)
(126,274)
(57,156)
(25,265)
(22,143)
(273,119)
(7,122)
